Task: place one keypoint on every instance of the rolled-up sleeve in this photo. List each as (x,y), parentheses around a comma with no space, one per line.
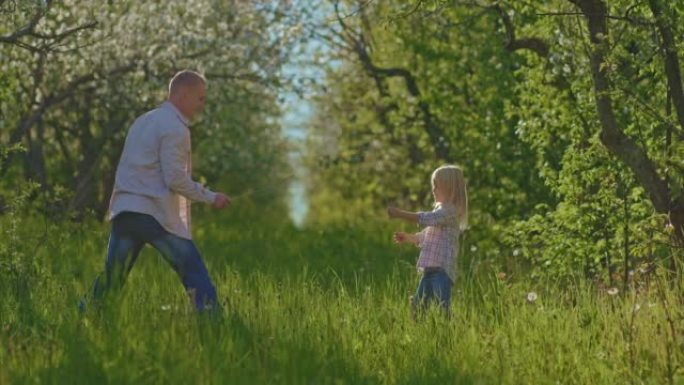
(437,217)
(174,153)
(420,237)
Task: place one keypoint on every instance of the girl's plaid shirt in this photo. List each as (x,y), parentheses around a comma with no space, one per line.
(438,241)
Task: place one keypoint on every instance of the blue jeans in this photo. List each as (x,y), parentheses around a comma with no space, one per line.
(434,287)
(130,232)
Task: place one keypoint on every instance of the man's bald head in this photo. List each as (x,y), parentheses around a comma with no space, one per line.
(185,79)
(186,92)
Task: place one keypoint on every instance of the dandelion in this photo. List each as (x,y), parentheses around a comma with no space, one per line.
(166,307)
(612,291)
(531,297)
(501,276)
(636,308)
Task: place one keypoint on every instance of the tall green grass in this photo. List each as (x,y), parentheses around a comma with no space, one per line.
(313,306)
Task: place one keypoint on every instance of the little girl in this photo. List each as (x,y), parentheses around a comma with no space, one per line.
(438,240)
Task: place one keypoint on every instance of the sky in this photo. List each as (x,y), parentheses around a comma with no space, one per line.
(298,110)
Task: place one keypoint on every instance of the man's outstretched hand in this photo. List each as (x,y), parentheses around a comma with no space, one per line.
(222,200)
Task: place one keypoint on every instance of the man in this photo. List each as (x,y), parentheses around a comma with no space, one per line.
(153,188)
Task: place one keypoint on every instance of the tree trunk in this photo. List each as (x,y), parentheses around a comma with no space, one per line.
(84,183)
(35,161)
(617,142)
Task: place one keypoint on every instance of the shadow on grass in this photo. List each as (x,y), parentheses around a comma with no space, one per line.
(211,350)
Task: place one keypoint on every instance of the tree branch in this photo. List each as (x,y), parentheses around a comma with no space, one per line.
(611,135)
(672,69)
(28,28)
(52,99)
(434,131)
(48,40)
(60,36)
(533,44)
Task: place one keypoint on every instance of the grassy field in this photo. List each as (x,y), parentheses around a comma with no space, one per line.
(313,306)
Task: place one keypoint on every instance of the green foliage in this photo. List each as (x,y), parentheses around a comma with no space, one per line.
(604,215)
(16,264)
(523,123)
(76,94)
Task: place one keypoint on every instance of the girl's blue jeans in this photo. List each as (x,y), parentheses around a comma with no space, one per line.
(130,232)
(434,287)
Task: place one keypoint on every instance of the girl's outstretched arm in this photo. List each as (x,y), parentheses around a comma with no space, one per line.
(409,216)
(402,237)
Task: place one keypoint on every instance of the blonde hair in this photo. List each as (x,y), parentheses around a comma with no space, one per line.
(450,179)
(185,78)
